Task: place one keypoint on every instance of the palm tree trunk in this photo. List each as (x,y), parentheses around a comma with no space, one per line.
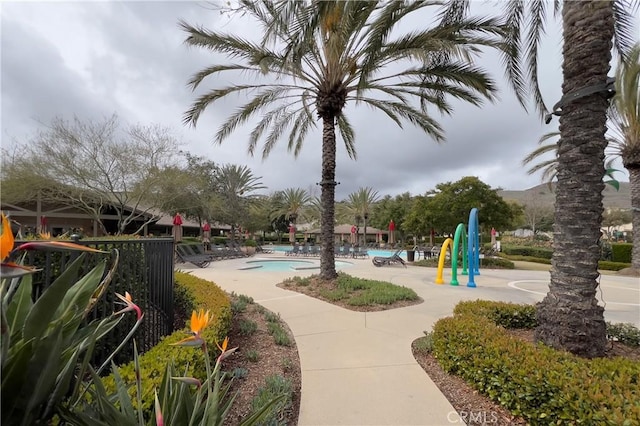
(634,183)
(569,317)
(328,197)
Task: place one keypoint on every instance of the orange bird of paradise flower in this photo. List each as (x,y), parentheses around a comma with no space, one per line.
(129,305)
(199,321)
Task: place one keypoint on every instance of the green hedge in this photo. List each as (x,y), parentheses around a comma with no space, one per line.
(621,252)
(543,385)
(612,266)
(206,295)
(530,259)
(541,252)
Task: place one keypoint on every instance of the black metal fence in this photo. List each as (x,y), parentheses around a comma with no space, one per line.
(145,270)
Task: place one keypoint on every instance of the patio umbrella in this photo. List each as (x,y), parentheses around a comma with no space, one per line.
(353,234)
(493,237)
(177,228)
(292,233)
(43,224)
(392,229)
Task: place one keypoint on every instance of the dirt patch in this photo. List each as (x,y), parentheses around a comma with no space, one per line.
(261,357)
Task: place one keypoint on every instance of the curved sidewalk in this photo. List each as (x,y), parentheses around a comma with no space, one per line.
(357,367)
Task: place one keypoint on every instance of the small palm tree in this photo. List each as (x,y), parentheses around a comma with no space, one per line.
(236,186)
(317,56)
(291,203)
(625,139)
(359,205)
(548,167)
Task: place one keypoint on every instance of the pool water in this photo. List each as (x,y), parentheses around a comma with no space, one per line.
(372,252)
(275,265)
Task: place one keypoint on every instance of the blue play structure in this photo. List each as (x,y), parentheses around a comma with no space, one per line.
(470,252)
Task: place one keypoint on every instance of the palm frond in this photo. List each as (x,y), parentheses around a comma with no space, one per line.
(518,19)
(203,101)
(267,119)
(348,136)
(277,131)
(537,18)
(397,111)
(625,29)
(624,113)
(301,126)
(262,100)
(198,77)
(378,31)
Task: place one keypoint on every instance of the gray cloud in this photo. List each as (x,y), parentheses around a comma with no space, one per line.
(95,59)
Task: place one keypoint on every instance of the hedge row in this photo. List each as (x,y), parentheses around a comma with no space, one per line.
(621,252)
(544,253)
(207,296)
(543,385)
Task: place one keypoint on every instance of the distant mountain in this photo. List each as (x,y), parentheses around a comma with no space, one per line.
(612,199)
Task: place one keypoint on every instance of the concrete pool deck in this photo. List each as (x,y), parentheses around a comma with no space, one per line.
(357,367)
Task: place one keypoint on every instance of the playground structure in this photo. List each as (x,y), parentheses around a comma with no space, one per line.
(470,252)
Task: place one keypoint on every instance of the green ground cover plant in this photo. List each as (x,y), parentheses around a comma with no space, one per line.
(351,291)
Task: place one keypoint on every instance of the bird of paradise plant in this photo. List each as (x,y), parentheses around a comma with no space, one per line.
(180,400)
(46,344)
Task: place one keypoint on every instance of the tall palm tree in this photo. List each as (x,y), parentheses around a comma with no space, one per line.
(623,141)
(236,186)
(359,205)
(625,117)
(321,55)
(291,203)
(569,317)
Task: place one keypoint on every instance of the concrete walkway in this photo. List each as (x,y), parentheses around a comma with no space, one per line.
(357,368)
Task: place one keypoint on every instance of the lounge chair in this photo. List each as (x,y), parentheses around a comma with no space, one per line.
(314,250)
(266,250)
(294,251)
(346,250)
(360,252)
(394,259)
(184,254)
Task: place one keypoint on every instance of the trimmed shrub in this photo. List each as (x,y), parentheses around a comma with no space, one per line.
(530,259)
(496,263)
(612,266)
(621,252)
(541,252)
(543,385)
(626,333)
(207,296)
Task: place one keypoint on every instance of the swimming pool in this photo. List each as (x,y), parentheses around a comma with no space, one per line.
(281,265)
(372,252)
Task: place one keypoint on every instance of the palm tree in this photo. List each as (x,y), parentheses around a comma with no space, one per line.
(321,55)
(623,141)
(569,317)
(291,204)
(359,205)
(625,117)
(236,186)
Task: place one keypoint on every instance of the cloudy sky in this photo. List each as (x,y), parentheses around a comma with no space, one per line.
(94,59)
